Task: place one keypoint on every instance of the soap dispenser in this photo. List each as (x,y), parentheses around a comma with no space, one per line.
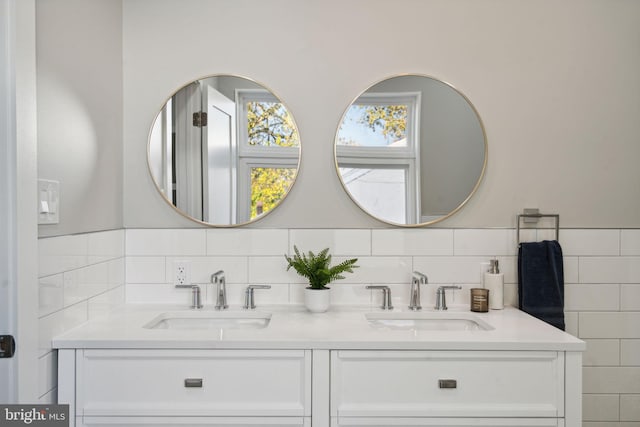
(494,282)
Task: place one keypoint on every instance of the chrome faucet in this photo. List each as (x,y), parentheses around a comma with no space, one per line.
(414,298)
(386,296)
(217,278)
(441,300)
(249,300)
(196,299)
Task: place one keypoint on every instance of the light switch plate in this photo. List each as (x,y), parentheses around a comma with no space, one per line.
(48,201)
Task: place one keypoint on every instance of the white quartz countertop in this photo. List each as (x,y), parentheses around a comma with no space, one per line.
(292,327)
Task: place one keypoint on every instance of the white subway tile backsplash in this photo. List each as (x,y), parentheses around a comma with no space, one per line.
(630,352)
(115,273)
(350,294)
(266,270)
(571,323)
(380,270)
(485,242)
(630,297)
(570,268)
(630,407)
(47,373)
(51,294)
(611,380)
(105,245)
(84,283)
(610,269)
(157,293)
(145,269)
(56,323)
(630,242)
(247,242)
(609,325)
(533,235)
(546,233)
(234,267)
(592,297)
(178,242)
(101,305)
(412,242)
(600,407)
(604,352)
(457,269)
(60,254)
(511,294)
(341,242)
(590,242)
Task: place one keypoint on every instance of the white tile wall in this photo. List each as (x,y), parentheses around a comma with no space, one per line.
(608,269)
(629,407)
(601,407)
(602,278)
(340,242)
(80,277)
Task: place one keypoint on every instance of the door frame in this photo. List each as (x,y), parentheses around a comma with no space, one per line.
(18,125)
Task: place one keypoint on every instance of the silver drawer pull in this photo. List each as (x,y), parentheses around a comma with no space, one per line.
(193,382)
(447,383)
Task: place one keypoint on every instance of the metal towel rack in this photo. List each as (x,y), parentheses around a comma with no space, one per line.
(535,215)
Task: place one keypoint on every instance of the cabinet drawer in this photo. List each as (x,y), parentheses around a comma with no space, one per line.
(446,422)
(193,422)
(193,383)
(447,384)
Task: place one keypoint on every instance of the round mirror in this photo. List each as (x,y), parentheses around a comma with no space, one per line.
(410,150)
(224,150)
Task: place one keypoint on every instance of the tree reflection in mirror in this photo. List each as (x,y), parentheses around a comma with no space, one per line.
(224,150)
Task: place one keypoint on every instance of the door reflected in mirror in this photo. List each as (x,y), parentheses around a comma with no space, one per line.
(224,150)
(410,150)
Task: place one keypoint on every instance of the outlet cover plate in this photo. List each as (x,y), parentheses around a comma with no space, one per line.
(182,274)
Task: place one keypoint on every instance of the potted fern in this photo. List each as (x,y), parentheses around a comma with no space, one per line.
(318,271)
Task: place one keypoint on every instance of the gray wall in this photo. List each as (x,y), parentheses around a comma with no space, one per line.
(556,85)
(79,84)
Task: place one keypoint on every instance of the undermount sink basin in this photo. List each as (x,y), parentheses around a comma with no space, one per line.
(210,320)
(427,321)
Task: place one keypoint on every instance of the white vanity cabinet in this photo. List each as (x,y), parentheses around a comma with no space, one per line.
(450,388)
(187,387)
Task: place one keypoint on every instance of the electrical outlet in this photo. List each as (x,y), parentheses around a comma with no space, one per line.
(182,273)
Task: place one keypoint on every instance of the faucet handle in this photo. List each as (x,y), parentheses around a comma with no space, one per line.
(196,299)
(249,300)
(441,300)
(422,278)
(217,277)
(386,296)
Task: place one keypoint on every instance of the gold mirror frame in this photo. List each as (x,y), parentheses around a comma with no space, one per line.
(257,85)
(463,201)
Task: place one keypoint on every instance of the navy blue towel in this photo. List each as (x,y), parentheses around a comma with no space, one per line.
(541,281)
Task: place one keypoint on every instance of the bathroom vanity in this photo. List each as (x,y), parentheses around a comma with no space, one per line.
(350,366)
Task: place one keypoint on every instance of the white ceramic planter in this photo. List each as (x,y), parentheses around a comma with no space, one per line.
(317,300)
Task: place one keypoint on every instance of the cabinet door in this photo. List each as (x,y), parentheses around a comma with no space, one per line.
(447,384)
(445,422)
(192,422)
(268,383)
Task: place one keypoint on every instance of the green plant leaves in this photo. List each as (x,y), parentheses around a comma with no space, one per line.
(317,268)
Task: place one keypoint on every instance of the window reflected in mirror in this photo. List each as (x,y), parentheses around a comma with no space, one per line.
(410,150)
(224,150)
